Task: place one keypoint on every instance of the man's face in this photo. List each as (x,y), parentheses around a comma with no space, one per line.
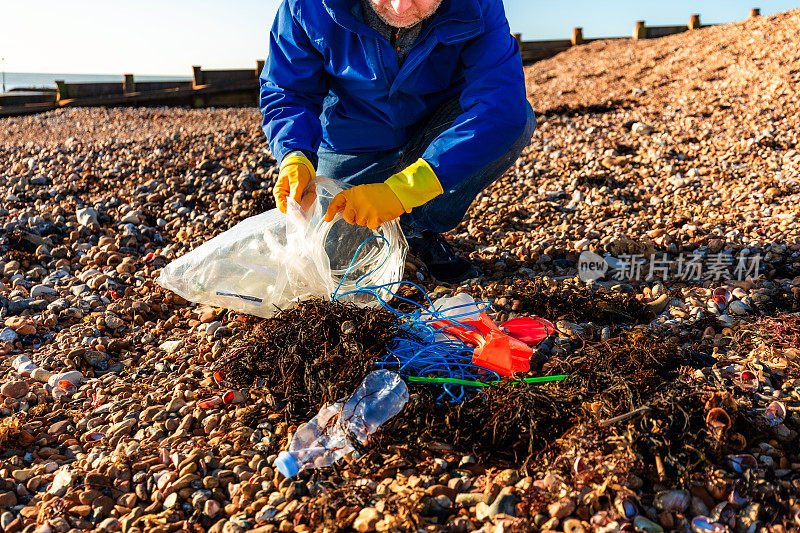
(404,13)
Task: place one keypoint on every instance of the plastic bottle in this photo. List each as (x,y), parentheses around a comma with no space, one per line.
(326,438)
(462,306)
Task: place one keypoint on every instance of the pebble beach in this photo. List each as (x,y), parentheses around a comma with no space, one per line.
(685,146)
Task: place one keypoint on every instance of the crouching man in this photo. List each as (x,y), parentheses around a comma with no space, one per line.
(419,104)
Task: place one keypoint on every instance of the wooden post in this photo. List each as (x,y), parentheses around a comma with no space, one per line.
(518,37)
(198,75)
(577,36)
(694,22)
(755,12)
(199,99)
(128,86)
(640,30)
(62,90)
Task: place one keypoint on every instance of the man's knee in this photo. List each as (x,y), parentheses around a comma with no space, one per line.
(519,145)
(522,141)
(527,132)
(530,124)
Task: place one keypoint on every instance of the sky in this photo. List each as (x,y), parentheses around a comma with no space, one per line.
(167,37)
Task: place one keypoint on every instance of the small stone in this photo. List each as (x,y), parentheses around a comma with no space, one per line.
(175,405)
(39,291)
(507,477)
(504,504)
(86,216)
(95,358)
(113,322)
(23,474)
(127,500)
(14,389)
(109,524)
(250,490)
(73,376)
(8,334)
(172,346)
(7,499)
(439,466)
(41,375)
(482,511)
(550,525)
(657,306)
(171,501)
(571,525)
(208,315)
(569,328)
(296,490)
(95,479)
(747,517)
(16,322)
(737,307)
(60,427)
(81,510)
(640,128)
(562,508)
(467,460)
(61,482)
(130,218)
(212,507)
(439,490)
(469,499)
(184,481)
(366,520)
(643,525)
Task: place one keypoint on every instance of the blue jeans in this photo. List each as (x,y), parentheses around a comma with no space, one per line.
(444,212)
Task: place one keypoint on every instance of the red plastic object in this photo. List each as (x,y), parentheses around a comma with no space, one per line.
(503,354)
(228,397)
(494,349)
(530,330)
(473,335)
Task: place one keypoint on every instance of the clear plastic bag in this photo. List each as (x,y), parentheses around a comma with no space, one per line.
(267,261)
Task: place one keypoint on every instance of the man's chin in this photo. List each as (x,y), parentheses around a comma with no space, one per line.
(401,23)
(406,22)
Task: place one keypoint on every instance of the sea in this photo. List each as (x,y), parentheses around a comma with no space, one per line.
(41,80)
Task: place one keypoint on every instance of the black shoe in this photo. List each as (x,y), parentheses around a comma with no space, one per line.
(442,262)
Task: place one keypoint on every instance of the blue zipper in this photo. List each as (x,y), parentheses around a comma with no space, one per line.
(415,56)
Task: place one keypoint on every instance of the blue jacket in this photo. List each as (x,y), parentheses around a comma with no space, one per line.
(330,79)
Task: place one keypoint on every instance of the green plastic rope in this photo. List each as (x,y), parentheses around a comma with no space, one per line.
(540,379)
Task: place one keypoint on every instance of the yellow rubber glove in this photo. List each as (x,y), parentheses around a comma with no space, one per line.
(368,205)
(295,175)
(373,204)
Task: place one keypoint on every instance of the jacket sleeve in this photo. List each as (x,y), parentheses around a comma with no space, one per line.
(293,88)
(493,103)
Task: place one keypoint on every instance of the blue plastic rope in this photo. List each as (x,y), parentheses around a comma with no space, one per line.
(422,349)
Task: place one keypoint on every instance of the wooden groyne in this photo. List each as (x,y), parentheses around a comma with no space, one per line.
(207,88)
(240,87)
(533,51)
